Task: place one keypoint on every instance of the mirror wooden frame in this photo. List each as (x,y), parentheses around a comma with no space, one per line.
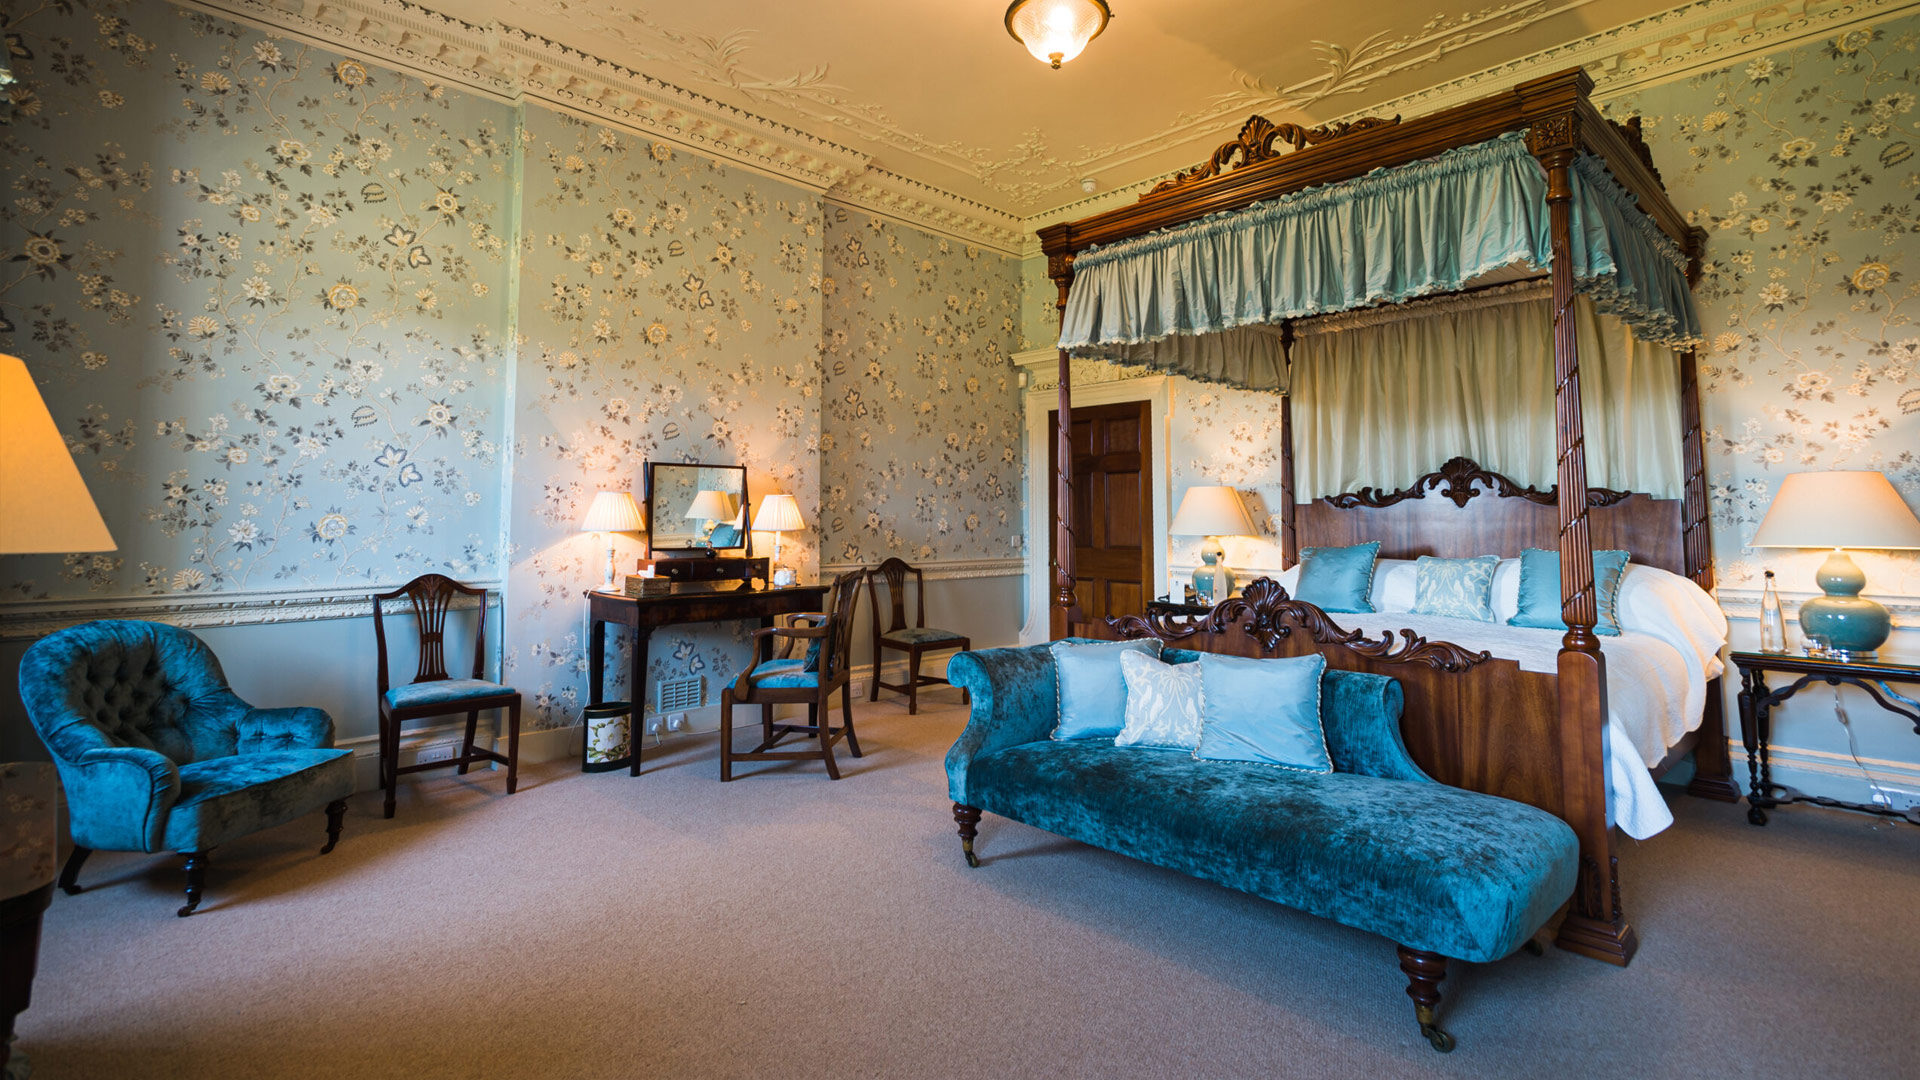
(746,504)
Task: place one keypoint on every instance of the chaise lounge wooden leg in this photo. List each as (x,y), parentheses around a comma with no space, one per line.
(70,873)
(1424,970)
(968,818)
(196,877)
(336,812)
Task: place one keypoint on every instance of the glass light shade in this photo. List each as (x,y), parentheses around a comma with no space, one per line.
(710,505)
(778,513)
(1841,509)
(1055,31)
(48,507)
(1211,511)
(613,511)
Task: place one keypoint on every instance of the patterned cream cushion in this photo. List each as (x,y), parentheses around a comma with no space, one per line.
(1455,588)
(1163,703)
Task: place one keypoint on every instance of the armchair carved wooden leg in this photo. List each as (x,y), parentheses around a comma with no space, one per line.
(196,878)
(336,812)
(846,714)
(466,748)
(726,735)
(913,681)
(968,818)
(70,873)
(1424,970)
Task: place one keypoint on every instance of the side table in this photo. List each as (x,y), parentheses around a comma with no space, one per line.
(1756,720)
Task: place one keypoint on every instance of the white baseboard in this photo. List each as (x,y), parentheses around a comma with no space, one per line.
(1834,776)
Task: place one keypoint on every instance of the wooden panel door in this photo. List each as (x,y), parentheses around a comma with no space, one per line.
(1112,506)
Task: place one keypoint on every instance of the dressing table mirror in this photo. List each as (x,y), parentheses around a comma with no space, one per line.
(697,509)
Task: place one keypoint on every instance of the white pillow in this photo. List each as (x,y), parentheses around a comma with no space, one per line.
(1163,703)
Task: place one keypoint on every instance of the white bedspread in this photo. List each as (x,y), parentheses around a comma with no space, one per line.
(1657,668)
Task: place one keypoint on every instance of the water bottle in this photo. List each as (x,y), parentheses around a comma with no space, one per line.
(1773,630)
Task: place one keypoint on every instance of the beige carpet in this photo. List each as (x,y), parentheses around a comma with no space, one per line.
(785,926)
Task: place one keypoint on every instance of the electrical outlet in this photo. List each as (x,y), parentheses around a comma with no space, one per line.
(653,726)
(857,687)
(677,722)
(429,754)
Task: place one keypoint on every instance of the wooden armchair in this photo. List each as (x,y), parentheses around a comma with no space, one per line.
(433,693)
(809,679)
(912,640)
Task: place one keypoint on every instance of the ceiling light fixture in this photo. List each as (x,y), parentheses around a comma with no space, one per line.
(1055,31)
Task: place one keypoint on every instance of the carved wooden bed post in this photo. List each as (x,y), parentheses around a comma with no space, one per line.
(1289,510)
(1595,926)
(1712,767)
(1055,241)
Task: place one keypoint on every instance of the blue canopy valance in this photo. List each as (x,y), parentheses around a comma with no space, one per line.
(1428,227)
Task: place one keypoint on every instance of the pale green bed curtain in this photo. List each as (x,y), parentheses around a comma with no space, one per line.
(1428,227)
(1383,397)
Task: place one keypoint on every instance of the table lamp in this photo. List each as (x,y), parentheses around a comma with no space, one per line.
(1844,509)
(712,507)
(779,514)
(612,512)
(48,508)
(1212,512)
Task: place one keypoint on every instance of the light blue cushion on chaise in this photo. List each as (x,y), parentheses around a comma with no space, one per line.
(158,754)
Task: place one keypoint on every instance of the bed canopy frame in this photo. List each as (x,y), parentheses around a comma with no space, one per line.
(1471,720)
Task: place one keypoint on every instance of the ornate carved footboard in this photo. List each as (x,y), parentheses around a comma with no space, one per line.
(1471,720)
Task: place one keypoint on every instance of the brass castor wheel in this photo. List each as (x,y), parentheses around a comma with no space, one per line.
(972,859)
(1437,1038)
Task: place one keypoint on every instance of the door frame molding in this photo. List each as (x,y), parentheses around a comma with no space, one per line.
(1119,384)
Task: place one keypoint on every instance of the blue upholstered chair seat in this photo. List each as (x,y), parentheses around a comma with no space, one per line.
(923,635)
(784,674)
(1426,865)
(223,798)
(444,692)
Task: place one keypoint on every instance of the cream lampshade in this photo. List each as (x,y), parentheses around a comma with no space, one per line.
(1212,512)
(779,514)
(1842,509)
(47,509)
(612,512)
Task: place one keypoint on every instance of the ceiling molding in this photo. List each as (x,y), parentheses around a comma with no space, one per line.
(513,64)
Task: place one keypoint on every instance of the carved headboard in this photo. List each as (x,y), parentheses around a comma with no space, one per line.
(1463,510)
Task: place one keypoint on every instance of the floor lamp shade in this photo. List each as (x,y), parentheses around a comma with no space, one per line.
(1212,512)
(48,509)
(1838,510)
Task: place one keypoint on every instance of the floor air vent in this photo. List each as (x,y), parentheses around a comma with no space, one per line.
(678,695)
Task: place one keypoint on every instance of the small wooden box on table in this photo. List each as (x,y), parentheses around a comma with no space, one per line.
(643,614)
(1870,674)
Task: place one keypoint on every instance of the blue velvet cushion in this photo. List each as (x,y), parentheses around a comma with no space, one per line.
(1093,693)
(1428,866)
(1163,703)
(443,692)
(725,536)
(1540,590)
(1455,588)
(1263,710)
(229,797)
(1338,578)
(784,674)
(925,635)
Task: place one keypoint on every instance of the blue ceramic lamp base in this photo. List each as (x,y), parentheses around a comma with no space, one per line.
(1843,621)
(1212,581)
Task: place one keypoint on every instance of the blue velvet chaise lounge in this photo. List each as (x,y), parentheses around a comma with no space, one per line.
(157,753)
(1376,844)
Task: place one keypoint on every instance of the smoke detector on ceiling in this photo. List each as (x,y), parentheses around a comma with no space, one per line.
(1088,184)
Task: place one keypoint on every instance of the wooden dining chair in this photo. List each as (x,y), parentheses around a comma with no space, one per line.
(825,642)
(433,692)
(912,640)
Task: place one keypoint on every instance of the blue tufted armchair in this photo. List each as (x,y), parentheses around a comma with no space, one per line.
(158,754)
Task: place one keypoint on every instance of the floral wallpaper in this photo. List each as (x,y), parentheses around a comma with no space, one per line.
(669,310)
(1802,167)
(921,433)
(262,296)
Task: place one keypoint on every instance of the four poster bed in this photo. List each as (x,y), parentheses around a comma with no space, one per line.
(1217,274)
